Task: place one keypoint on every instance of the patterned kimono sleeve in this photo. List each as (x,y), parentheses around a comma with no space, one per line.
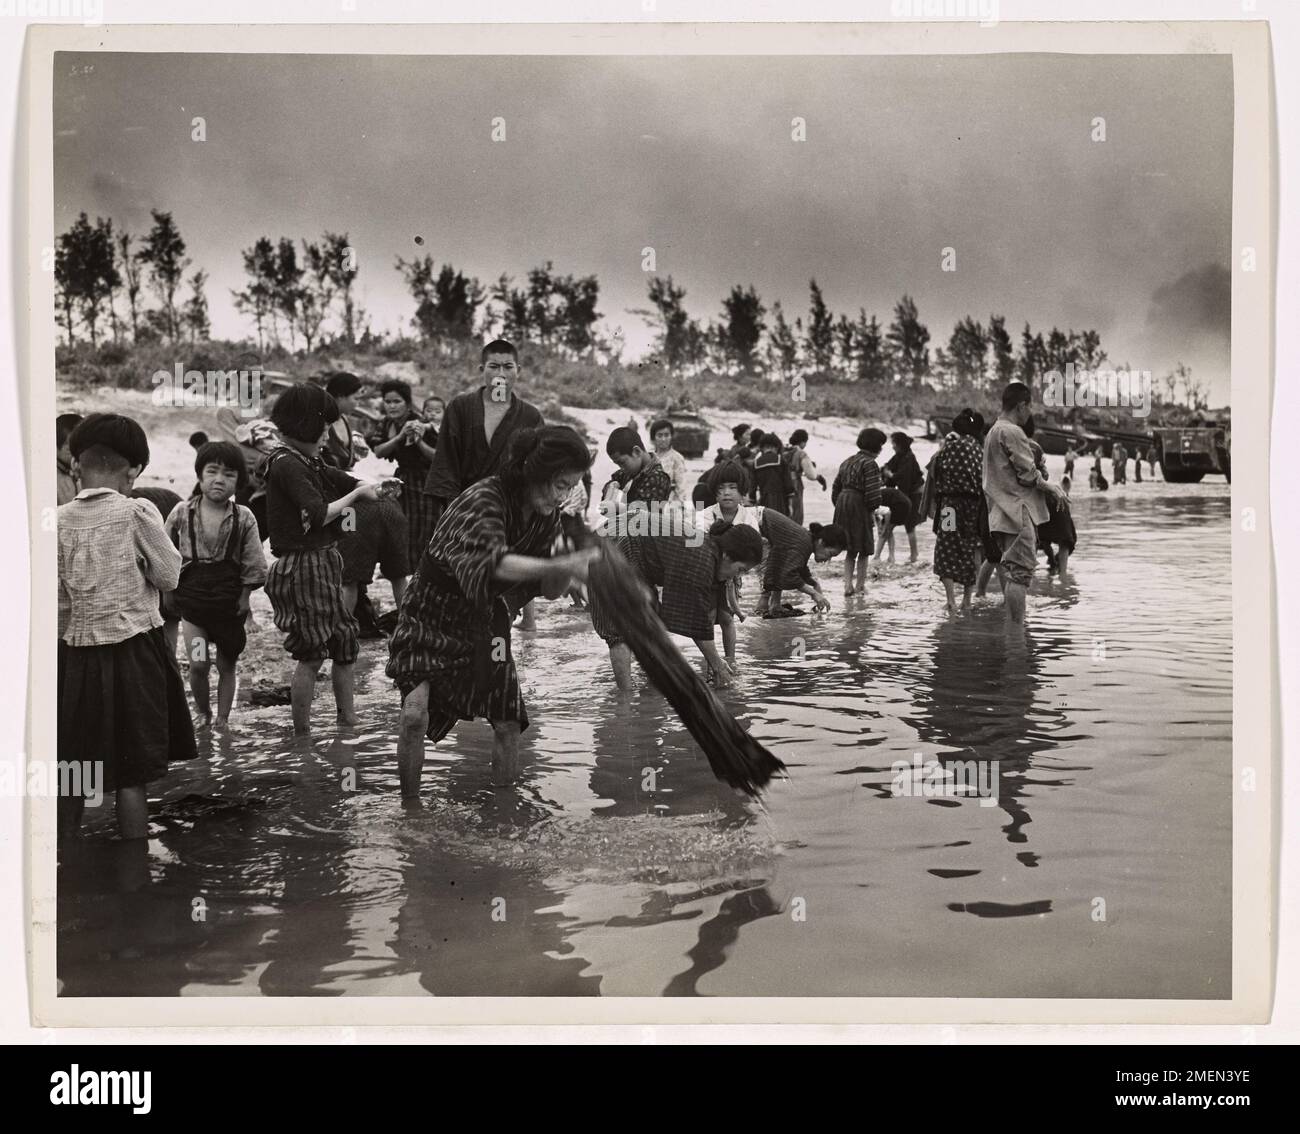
(871,483)
(690,590)
(472,538)
(539,543)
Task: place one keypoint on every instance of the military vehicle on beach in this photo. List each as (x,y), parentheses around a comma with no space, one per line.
(690,431)
(1187,454)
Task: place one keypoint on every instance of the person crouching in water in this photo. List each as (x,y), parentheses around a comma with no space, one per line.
(786,567)
(694,572)
(221,565)
(855,494)
(490,554)
(121,701)
(305,500)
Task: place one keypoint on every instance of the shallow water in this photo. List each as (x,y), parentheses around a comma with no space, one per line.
(618,866)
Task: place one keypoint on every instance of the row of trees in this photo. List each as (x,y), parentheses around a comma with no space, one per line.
(742,341)
(94,264)
(293,290)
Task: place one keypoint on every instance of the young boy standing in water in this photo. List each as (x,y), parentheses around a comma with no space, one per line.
(305,501)
(222,564)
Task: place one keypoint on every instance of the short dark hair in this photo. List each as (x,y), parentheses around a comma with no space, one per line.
(342,384)
(623,440)
(198,439)
(965,424)
(901,439)
(739,542)
(739,431)
(396,386)
(64,424)
(767,441)
(303,411)
(537,455)
(101,437)
(1015,394)
(799,437)
(498,346)
(222,453)
(831,535)
(729,472)
(871,439)
(661,423)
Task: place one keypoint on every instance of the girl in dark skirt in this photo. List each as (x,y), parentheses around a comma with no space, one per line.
(856,496)
(490,554)
(959,507)
(122,710)
(694,573)
(1058,531)
(403,436)
(903,472)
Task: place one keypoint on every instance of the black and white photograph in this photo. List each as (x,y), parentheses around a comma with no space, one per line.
(653,524)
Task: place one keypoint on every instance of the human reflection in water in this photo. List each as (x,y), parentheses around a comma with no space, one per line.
(719,934)
(977,702)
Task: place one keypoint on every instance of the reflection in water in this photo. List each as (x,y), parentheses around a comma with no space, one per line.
(619,866)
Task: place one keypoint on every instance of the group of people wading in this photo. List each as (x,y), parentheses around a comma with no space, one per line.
(485,512)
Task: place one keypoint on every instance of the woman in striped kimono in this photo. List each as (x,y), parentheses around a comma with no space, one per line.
(489,555)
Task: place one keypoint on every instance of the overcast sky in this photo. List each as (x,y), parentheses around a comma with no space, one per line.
(991,155)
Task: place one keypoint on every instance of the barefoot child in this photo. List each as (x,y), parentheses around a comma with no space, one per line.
(894,509)
(855,495)
(221,565)
(122,710)
(305,501)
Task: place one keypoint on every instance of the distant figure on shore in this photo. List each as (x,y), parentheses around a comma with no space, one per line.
(1118,463)
(1017,496)
(1152,456)
(856,496)
(801,469)
(1137,466)
(1071,455)
(1096,478)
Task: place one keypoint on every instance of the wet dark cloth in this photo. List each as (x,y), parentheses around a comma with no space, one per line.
(306,593)
(856,495)
(299,490)
(1059,529)
(773,483)
(381,538)
(123,705)
(453,628)
(692,595)
(464,455)
(900,509)
(790,546)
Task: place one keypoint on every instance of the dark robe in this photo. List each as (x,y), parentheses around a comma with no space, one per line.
(464,456)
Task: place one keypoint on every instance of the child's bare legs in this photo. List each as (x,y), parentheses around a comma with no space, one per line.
(728,625)
(911,546)
(226,682)
(862,573)
(965,599)
(850,559)
(890,540)
(982,581)
(1062,561)
(132,813)
(200,650)
(410,739)
(301,691)
(620,658)
(505,752)
(342,681)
